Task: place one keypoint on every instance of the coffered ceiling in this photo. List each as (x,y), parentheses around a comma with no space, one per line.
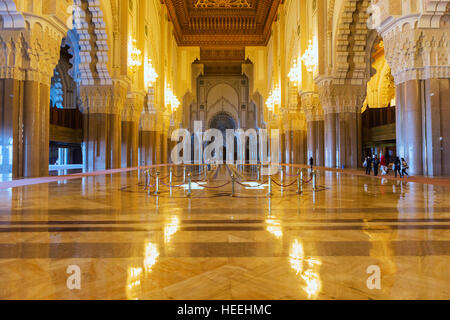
(222,22)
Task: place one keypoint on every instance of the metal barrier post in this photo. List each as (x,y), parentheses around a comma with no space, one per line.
(170,177)
(189,185)
(145,179)
(281,174)
(270,186)
(259,171)
(298,182)
(314,181)
(232,185)
(301,181)
(184,174)
(157,183)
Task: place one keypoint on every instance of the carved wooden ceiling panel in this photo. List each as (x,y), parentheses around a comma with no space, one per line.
(222,22)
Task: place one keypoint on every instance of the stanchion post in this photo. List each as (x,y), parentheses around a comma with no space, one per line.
(189,185)
(157,183)
(270,186)
(301,181)
(184,174)
(281,174)
(232,185)
(259,171)
(314,181)
(298,182)
(170,177)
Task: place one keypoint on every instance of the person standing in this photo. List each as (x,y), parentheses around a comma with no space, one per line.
(397,165)
(376,163)
(404,166)
(369,166)
(311,162)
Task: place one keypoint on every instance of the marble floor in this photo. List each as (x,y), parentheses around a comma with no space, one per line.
(128,243)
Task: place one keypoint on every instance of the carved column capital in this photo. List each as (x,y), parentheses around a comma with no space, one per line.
(108,99)
(418,53)
(337,98)
(311,106)
(133,106)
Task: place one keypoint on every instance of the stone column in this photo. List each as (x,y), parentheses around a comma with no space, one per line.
(130,130)
(147,133)
(418,55)
(299,143)
(30,56)
(102,107)
(342,123)
(314,124)
(282,146)
(288,144)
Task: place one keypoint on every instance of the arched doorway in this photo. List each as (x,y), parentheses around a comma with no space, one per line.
(223,121)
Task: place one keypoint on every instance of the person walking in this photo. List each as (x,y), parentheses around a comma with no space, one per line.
(311,162)
(376,164)
(404,166)
(383,165)
(365,164)
(397,165)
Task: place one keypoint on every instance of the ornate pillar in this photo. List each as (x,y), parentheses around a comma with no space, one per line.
(342,123)
(102,107)
(315,126)
(299,145)
(130,130)
(29,58)
(418,54)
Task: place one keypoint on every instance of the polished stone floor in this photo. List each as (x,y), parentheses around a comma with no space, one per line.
(132,244)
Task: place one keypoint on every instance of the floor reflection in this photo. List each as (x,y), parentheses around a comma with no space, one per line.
(131,244)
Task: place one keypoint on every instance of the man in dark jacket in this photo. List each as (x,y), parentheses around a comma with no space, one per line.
(376,164)
(369,166)
(397,167)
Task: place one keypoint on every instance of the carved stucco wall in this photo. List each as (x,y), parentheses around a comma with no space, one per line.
(229,94)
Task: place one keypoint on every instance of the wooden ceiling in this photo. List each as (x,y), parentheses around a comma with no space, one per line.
(222,22)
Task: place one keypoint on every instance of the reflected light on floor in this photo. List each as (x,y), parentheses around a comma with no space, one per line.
(274,227)
(310,276)
(151,256)
(171,228)
(133,282)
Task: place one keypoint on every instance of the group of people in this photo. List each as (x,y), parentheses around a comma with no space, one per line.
(376,164)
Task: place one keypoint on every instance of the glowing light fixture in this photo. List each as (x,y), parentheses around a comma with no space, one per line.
(171,99)
(134,55)
(295,74)
(310,57)
(274,99)
(150,74)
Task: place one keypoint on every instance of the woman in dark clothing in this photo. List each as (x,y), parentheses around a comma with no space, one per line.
(397,167)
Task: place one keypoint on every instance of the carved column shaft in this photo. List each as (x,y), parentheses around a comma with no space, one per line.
(315,126)
(342,126)
(102,107)
(419,58)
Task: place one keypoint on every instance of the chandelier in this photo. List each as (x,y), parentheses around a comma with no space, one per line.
(273,99)
(310,57)
(134,55)
(171,99)
(295,74)
(150,74)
